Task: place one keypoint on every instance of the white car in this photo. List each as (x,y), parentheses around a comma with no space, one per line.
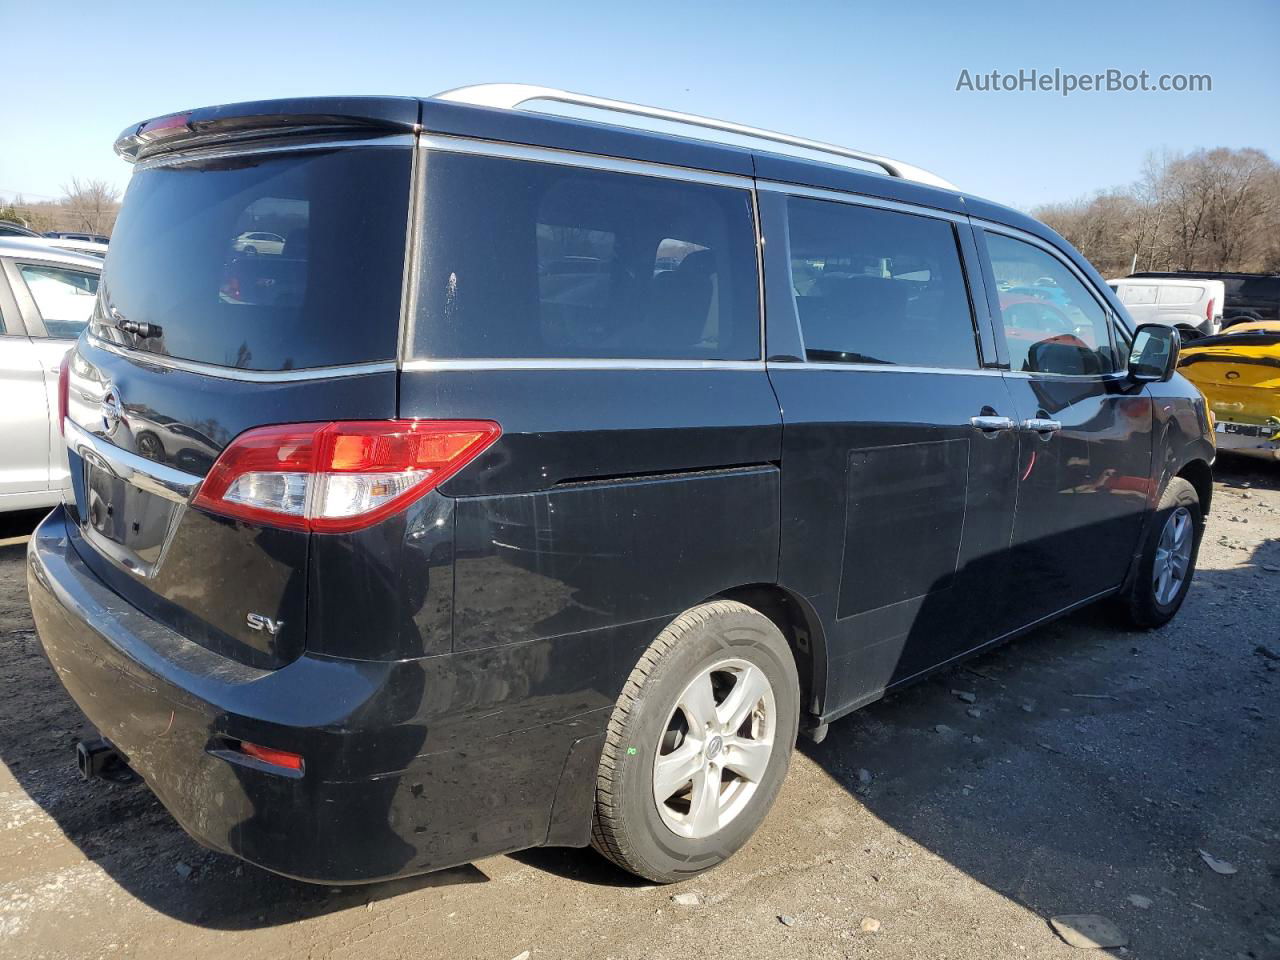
(1193,306)
(258,241)
(46,297)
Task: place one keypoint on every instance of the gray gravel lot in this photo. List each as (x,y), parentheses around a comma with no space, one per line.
(1089,770)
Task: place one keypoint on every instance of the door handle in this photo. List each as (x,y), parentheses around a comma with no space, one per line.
(1042,426)
(991,424)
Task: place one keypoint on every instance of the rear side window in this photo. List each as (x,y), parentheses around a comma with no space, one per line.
(267,261)
(877,286)
(535,260)
(1136,294)
(1180,295)
(64,297)
(1052,324)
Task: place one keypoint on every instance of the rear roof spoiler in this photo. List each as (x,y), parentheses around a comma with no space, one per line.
(239,121)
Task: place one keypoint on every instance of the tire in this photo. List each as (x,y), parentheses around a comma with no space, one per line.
(1149,601)
(716,649)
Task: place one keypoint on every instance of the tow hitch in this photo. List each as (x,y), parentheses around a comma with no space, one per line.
(98,758)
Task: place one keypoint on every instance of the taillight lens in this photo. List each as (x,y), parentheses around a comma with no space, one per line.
(1208,311)
(64,387)
(338,477)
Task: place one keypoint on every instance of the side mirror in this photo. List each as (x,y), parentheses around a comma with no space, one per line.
(1154,357)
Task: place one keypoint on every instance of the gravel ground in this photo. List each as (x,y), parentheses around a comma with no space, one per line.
(1086,776)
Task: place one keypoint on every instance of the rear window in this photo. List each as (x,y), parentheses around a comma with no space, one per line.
(535,260)
(1256,288)
(268,261)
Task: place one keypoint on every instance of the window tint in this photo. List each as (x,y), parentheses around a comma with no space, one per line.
(526,259)
(875,286)
(64,297)
(266,261)
(1051,322)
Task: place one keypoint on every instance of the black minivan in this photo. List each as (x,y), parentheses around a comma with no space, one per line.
(542,479)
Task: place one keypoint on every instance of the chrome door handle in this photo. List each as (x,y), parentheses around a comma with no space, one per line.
(1042,426)
(991,424)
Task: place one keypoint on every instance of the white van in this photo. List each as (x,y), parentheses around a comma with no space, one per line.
(1193,306)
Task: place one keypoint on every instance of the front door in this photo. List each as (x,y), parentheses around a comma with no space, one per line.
(899,448)
(1084,435)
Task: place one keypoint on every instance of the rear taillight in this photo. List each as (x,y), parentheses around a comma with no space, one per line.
(1208,311)
(64,386)
(338,477)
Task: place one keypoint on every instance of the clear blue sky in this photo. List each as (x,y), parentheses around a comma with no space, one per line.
(879,76)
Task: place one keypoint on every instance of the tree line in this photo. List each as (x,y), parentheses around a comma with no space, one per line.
(86,206)
(1205,210)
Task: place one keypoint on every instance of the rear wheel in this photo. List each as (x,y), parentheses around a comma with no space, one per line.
(1168,560)
(698,744)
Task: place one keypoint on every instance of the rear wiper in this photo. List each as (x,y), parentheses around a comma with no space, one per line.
(137,328)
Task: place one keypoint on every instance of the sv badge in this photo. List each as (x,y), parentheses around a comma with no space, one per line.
(257,621)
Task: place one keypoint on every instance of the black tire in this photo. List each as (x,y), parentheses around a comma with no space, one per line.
(627,826)
(1139,605)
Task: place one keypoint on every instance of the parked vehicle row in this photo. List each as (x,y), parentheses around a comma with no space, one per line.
(1193,306)
(46,297)
(1248,297)
(1239,374)
(527,496)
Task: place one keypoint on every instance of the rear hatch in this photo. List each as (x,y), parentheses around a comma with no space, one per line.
(255,278)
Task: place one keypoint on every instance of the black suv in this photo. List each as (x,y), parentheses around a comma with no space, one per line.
(1250,297)
(548,477)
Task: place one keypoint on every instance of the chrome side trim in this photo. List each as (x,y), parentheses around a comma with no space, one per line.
(235,373)
(276,145)
(840,196)
(516,151)
(1114,375)
(574,363)
(145,474)
(884,368)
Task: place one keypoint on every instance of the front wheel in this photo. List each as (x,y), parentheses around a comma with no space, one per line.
(698,745)
(1168,560)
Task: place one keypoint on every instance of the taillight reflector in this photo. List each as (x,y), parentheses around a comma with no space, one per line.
(338,477)
(277,758)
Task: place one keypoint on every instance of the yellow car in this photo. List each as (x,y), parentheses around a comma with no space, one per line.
(1238,371)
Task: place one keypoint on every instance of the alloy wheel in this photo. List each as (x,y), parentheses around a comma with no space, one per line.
(715,748)
(1173,556)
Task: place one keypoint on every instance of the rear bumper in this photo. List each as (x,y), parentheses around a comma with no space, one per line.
(1254,441)
(408,765)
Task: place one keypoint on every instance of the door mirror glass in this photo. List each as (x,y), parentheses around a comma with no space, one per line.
(1155,353)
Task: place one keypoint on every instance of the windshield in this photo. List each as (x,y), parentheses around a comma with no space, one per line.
(265,261)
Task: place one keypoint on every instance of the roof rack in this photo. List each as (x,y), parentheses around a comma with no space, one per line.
(510,96)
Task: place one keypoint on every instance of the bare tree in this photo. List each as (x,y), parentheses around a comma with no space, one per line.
(92,204)
(1207,210)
